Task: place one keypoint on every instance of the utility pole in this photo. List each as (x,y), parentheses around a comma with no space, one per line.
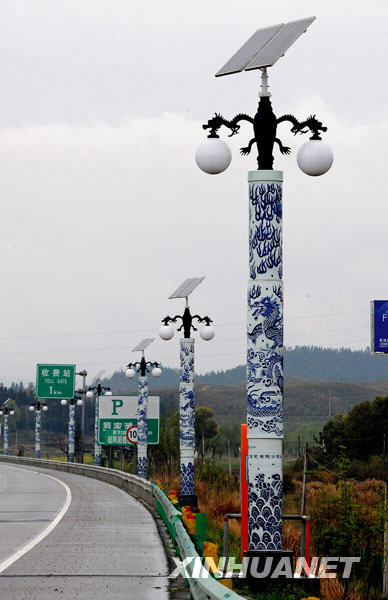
(83,375)
(303,506)
(229,463)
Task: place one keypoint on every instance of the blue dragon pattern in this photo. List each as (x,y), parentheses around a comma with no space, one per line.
(37,434)
(265,364)
(71,432)
(142,432)
(187,415)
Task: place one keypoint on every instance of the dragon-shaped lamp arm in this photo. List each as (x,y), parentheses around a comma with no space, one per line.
(187,323)
(264,129)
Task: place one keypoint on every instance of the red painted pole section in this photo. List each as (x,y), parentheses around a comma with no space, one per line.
(244,489)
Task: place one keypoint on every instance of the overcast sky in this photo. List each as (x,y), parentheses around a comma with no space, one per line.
(104,211)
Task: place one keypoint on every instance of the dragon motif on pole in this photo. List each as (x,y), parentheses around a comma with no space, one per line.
(265,125)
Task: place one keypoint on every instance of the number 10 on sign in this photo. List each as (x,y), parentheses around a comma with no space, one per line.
(132,434)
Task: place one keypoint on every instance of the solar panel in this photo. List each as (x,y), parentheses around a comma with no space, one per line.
(242,57)
(186,288)
(143,344)
(265,47)
(279,44)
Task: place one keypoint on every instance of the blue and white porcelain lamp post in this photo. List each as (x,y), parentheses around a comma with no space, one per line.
(95,392)
(187,496)
(142,368)
(264,379)
(4,410)
(78,400)
(38,407)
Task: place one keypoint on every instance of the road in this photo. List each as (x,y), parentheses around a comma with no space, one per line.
(99,543)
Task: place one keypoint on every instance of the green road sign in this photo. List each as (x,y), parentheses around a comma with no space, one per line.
(116,414)
(55,381)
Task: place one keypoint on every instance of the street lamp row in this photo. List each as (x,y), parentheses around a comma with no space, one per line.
(38,406)
(4,410)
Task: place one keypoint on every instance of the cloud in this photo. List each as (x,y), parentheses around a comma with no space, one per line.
(101,222)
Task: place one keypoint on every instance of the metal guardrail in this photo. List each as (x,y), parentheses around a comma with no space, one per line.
(203,588)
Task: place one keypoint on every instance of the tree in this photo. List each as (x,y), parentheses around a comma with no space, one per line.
(205,429)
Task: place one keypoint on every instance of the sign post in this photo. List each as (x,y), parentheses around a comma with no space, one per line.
(379,345)
(55,381)
(117,420)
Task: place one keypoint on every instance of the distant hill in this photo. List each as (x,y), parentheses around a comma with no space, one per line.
(305,362)
(305,401)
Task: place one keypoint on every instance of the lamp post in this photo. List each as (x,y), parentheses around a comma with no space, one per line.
(95,392)
(83,374)
(265,287)
(77,400)
(142,368)
(4,410)
(37,407)
(186,385)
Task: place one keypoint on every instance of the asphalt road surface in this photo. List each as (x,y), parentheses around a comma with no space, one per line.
(69,537)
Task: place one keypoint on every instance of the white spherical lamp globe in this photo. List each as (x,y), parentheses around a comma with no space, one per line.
(156,372)
(207,332)
(1,413)
(11,412)
(314,157)
(45,407)
(213,156)
(89,394)
(166,332)
(63,402)
(108,393)
(31,407)
(79,402)
(130,373)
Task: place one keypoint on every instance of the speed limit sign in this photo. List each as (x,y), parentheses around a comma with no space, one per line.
(132,434)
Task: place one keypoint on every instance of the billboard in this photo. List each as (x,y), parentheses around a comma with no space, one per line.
(117,414)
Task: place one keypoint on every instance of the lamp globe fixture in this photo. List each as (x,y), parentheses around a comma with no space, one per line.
(1,413)
(63,402)
(207,332)
(45,407)
(108,393)
(130,373)
(31,407)
(314,157)
(213,156)
(89,394)
(156,372)
(166,332)
(79,402)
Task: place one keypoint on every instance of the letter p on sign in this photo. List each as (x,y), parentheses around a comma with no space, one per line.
(117,403)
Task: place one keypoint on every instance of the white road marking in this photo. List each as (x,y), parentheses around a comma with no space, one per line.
(19,553)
